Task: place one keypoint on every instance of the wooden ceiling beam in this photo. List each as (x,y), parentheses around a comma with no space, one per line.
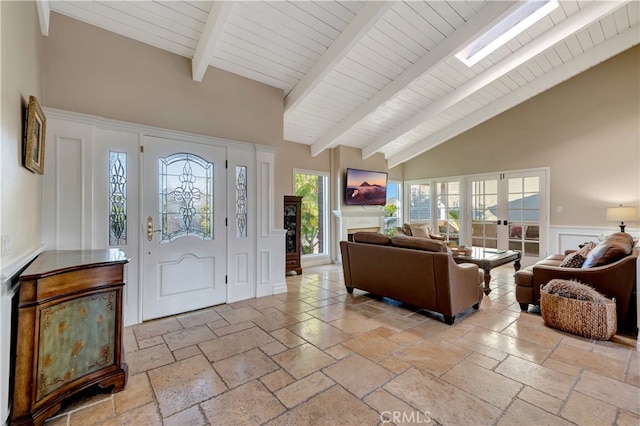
(44,13)
(566,28)
(450,46)
(218,15)
(592,57)
(349,37)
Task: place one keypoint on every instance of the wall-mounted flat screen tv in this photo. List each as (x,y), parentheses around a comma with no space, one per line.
(365,188)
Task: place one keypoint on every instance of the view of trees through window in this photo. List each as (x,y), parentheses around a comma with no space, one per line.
(312,188)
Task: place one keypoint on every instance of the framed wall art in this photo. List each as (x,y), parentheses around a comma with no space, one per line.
(35,130)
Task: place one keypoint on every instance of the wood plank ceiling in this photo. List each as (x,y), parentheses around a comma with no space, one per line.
(380,76)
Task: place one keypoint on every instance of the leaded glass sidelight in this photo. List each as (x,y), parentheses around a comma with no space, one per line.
(241,201)
(186,197)
(117,198)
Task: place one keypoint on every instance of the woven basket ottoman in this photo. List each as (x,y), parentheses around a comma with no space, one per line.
(595,318)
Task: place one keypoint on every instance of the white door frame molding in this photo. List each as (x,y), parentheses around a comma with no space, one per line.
(70,188)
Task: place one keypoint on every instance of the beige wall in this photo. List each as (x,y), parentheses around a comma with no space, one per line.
(93,71)
(21,197)
(587,130)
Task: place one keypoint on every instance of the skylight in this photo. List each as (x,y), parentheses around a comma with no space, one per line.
(515,23)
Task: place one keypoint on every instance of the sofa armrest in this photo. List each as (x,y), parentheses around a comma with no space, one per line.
(437,237)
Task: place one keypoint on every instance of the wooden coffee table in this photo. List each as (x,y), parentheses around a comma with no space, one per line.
(487,259)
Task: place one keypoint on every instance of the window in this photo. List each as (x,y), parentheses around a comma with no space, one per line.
(117,198)
(419,202)
(393,208)
(186,196)
(313,187)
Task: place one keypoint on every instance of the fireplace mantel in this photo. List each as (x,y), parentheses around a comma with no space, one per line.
(350,221)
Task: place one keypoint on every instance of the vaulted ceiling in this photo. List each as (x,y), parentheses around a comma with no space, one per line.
(380,76)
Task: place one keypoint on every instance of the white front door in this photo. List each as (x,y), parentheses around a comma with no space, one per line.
(184,235)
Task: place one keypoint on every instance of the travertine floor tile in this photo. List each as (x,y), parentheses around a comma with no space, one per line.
(426,392)
(232,344)
(277,380)
(185,383)
(147,415)
(137,392)
(94,414)
(485,384)
(598,363)
(541,400)
(612,391)
(523,413)
(626,418)
(188,337)
(200,317)
(511,345)
(358,375)
(373,346)
(319,333)
(244,367)
(395,411)
(303,360)
(245,313)
(303,389)
(156,328)
(146,359)
(189,417)
(541,378)
(582,409)
(288,337)
(249,404)
(431,356)
(274,321)
(334,406)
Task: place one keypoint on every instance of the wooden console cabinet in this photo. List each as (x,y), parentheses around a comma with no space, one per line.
(69,330)
(292,206)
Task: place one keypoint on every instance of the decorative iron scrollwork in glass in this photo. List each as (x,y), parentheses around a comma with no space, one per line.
(241,201)
(186,196)
(117,198)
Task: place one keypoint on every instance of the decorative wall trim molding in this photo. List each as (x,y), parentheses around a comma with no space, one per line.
(563,237)
(10,270)
(110,124)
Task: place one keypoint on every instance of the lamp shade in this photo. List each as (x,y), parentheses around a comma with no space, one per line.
(622,214)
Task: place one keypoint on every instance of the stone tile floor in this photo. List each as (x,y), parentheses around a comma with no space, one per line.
(319,356)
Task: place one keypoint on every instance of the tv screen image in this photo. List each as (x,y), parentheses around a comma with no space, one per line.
(366,188)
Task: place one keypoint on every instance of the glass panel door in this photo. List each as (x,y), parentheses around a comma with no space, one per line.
(484,213)
(524,214)
(508,212)
(448,211)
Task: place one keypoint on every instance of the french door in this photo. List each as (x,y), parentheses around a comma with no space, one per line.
(509,211)
(184,233)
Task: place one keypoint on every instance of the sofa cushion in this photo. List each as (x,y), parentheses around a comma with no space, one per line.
(419,243)
(611,249)
(372,238)
(421,231)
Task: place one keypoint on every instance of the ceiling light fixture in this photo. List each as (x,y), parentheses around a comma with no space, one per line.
(515,23)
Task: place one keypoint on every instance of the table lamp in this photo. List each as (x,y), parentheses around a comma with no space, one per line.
(622,214)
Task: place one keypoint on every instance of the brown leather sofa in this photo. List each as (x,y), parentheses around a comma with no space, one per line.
(610,268)
(417,271)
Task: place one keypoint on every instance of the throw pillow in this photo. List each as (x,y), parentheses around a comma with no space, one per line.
(421,231)
(612,249)
(586,249)
(406,229)
(573,260)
